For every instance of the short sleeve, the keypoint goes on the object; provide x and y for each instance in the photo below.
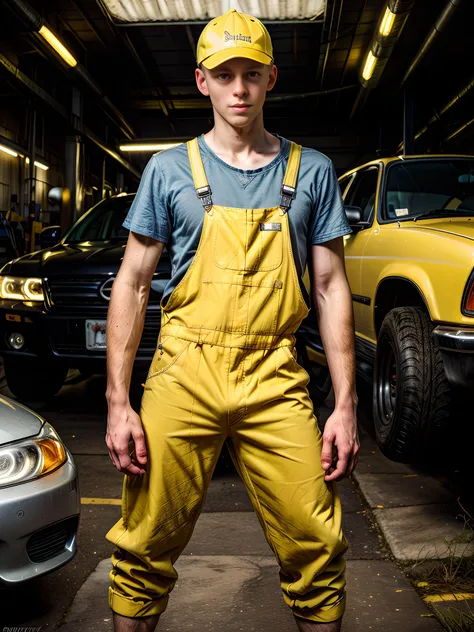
(148, 214)
(329, 217)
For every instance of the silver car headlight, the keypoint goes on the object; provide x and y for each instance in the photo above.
(31, 458)
(21, 288)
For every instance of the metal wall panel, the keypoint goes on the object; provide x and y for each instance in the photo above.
(9, 179)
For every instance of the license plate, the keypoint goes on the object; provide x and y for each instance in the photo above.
(95, 334)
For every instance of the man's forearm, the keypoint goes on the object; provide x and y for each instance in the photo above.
(125, 321)
(336, 326)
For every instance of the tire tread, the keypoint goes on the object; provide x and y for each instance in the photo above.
(422, 411)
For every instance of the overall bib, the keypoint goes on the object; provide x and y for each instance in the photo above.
(225, 369)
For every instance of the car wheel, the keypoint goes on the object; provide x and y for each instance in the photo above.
(411, 403)
(31, 380)
(320, 383)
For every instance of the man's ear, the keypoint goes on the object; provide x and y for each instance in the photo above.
(272, 77)
(201, 82)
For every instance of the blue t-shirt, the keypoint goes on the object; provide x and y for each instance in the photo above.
(167, 208)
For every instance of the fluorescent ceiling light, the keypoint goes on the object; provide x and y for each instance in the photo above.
(8, 151)
(41, 165)
(163, 10)
(58, 46)
(369, 66)
(387, 23)
(37, 164)
(148, 146)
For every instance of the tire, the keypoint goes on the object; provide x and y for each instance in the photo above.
(411, 394)
(32, 380)
(320, 383)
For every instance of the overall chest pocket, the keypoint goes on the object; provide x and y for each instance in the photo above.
(248, 241)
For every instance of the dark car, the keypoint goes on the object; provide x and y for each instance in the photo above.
(53, 304)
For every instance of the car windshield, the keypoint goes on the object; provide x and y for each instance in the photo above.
(102, 222)
(442, 187)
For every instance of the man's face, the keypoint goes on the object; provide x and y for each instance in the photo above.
(237, 88)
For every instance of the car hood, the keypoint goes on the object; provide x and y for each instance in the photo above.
(64, 259)
(16, 421)
(459, 226)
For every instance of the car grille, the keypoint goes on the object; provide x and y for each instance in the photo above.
(51, 541)
(68, 337)
(66, 291)
(83, 292)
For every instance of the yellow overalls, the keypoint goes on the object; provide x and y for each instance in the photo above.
(225, 368)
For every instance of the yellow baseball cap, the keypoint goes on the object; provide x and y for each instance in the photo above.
(232, 35)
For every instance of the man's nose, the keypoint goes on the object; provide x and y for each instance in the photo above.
(240, 89)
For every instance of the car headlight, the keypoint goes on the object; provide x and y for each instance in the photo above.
(31, 458)
(23, 289)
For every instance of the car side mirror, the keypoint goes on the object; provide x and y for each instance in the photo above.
(49, 236)
(353, 214)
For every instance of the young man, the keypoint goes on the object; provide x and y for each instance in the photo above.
(238, 209)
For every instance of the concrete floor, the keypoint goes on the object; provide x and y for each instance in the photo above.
(228, 577)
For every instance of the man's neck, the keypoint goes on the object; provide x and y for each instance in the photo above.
(245, 148)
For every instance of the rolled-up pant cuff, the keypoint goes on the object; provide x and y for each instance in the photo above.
(324, 614)
(133, 608)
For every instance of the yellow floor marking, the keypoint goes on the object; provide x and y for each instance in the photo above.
(101, 501)
(448, 597)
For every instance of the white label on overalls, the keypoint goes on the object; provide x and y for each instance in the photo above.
(272, 226)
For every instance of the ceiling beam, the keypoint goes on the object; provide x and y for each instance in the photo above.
(88, 21)
(127, 25)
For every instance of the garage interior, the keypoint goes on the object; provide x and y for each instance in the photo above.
(90, 89)
(357, 79)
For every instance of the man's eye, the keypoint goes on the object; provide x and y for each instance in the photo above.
(253, 74)
(223, 76)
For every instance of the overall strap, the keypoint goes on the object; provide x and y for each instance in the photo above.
(288, 188)
(203, 190)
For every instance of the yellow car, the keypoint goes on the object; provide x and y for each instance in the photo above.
(410, 262)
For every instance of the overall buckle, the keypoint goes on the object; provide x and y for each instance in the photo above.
(287, 194)
(204, 194)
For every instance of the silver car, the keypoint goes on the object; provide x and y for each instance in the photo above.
(39, 496)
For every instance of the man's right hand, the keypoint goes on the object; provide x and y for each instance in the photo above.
(124, 427)
(125, 321)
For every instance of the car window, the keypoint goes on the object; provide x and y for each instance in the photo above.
(102, 222)
(362, 192)
(426, 186)
(344, 184)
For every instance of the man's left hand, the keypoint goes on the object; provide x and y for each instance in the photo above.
(341, 444)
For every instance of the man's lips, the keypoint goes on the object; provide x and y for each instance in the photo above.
(240, 107)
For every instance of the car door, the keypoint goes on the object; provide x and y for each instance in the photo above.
(362, 192)
(357, 188)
